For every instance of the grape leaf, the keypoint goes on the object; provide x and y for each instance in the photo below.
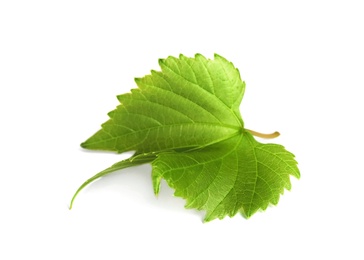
(185, 121)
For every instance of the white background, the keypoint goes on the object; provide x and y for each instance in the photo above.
(63, 62)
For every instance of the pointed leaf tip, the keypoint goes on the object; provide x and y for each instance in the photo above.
(161, 61)
(218, 56)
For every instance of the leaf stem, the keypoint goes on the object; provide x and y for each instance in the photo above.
(267, 136)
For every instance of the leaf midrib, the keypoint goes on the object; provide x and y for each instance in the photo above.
(215, 159)
(238, 129)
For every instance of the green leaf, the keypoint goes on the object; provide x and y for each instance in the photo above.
(175, 108)
(238, 174)
(185, 120)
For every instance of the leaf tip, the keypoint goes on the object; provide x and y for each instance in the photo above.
(200, 57)
(156, 179)
(210, 217)
(205, 220)
(248, 213)
(219, 57)
(245, 215)
(156, 189)
(73, 199)
(182, 57)
(161, 62)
